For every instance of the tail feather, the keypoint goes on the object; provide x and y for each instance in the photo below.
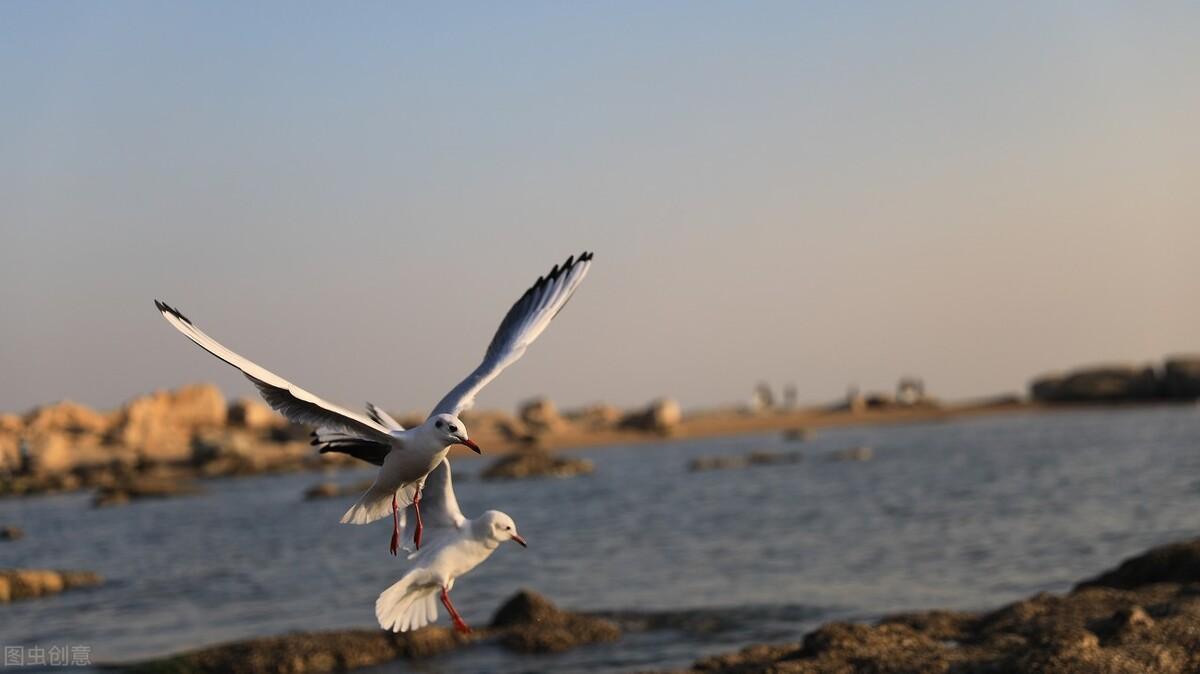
(376, 504)
(408, 604)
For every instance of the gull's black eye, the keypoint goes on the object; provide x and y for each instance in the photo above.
(453, 428)
(438, 423)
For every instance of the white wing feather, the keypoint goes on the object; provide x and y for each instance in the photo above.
(527, 318)
(439, 509)
(290, 400)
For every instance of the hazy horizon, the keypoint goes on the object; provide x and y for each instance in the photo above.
(353, 196)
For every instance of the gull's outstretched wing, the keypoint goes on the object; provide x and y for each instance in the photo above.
(290, 400)
(439, 509)
(523, 323)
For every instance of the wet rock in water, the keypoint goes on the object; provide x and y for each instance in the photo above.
(11, 533)
(662, 416)
(142, 488)
(18, 584)
(798, 434)
(530, 623)
(1141, 617)
(851, 454)
(307, 653)
(703, 463)
(536, 463)
(334, 490)
(757, 458)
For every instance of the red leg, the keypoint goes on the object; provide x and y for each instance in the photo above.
(459, 625)
(420, 526)
(395, 525)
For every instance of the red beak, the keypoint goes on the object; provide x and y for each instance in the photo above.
(471, 443)
(521, 541)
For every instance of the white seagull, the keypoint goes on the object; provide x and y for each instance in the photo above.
(405, 456)
(454, 546)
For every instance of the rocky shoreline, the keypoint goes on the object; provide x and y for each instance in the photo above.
(193, 432)
(1143, 616)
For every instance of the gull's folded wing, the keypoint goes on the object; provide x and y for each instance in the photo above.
(290, 400)
(523, 323)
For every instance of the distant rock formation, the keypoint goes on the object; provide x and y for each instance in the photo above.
(1178, 379)
(662, 416)
(536, 463)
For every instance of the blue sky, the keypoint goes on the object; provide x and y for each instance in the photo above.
(825, 194)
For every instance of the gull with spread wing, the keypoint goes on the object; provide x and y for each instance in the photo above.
(454, 546)
(405, 456)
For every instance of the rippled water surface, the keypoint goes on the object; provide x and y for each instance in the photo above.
(966, 514)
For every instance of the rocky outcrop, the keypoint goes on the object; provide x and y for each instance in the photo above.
(536, 463)
(1177, 379)
(1141, 617)
(160, 426)
(540, 416)
(29, 583)
(1181, 377)
(253, 415)
(662, 416)
(530, 623)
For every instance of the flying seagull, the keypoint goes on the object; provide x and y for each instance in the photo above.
(455, 546)
(405, 456)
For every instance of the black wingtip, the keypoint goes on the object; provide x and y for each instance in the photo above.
(165, 308)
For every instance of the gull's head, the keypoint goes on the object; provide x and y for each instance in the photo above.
(451, 429)
(499, 527)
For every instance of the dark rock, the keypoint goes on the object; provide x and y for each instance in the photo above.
(798, 434)
(1108, 383)
(1142, 617)
(756, 458)
(530, 623)
(1181, 377)
(11, 533)
(663, 416)
(333, 490)
(307, 653)
(536, 463)
(1174, 563)
(142, 488)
